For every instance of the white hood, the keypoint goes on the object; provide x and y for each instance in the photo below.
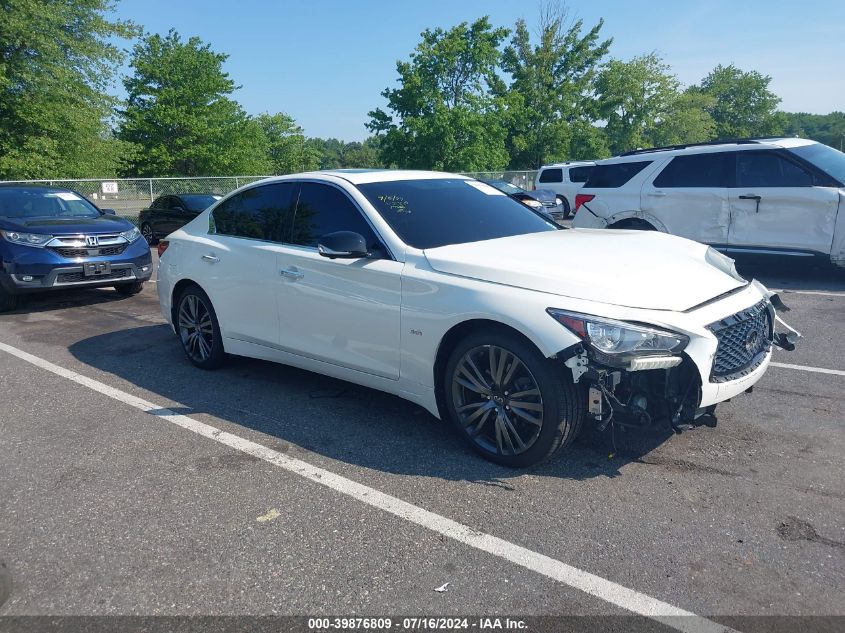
(636, 269)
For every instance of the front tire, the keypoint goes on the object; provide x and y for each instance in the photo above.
(127, 290)
(509, 403)
(567, 210)
(8, 301)
(633, 224)
(198, 329)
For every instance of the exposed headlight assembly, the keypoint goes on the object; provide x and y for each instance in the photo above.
(723, 263)
(620, 344)
(27, 239)
(131, 235)
(534, 204)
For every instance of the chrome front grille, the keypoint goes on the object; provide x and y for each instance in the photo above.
(744, 339)
(549, 204)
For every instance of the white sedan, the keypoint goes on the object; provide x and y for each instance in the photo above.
(444, 291)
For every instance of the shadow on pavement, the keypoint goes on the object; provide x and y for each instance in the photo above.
(793, 273)
(336, 419)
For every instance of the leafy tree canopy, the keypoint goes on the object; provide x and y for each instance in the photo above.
(57, 62)
(444, 114)
(180, 115)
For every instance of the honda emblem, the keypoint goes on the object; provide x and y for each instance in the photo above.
(92, 240)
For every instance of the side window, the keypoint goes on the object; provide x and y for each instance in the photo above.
(324, 209)
(768, 169)
(260, 213)
(158, 203)
(614, 174)
(696, 170)
(580, 174)
(551, 175)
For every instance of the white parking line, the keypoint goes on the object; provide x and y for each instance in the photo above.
(818, 370)
(808, 292)
(597, 586)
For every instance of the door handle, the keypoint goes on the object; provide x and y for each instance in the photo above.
(657, 194)
(211, 258)
(291, 273)
(752, 196)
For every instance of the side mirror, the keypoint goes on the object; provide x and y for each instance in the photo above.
(108, 211)
(180, 209)
(343, 245)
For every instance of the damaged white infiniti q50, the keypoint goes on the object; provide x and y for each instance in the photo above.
(442, 290)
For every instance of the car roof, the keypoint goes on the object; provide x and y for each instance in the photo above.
(709, 147)
(33, 188)
(366, 176)
(570, 163)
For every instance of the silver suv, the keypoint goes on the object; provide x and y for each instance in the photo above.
(565, 179)
(778, 196)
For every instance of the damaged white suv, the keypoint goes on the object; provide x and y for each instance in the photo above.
(771, 197)
(444, 291)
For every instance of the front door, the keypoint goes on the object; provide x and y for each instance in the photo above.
(341, 311)
(777, 208)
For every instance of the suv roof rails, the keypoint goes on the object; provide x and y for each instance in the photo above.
(726, 141)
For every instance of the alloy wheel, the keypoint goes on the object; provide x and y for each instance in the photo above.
(497, 400)
(196, 328)
(147, 232)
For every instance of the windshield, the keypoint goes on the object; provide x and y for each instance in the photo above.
(199, 201)
(28, 203)
(432, 213)
(829, 160)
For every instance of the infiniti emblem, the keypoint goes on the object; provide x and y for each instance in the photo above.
(92, 240)
(751, 340)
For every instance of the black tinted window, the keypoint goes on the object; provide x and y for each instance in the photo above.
(261, 213)
(431, 213)
(614, 175)
(159, 203)
(698, 170)
(768, 169)
(198, 202)
(580, 174)
(324, 209)
(551, 175)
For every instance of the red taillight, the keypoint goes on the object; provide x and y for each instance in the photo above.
(581, 198)
(162, 246)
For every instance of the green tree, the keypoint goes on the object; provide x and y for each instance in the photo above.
(180, 115)
(743, 104)
(824, 128)
(635, 98)
(687, 120)
(444, 115)
(336, 154)
(555, 84)
(57, 62)
(285, 144)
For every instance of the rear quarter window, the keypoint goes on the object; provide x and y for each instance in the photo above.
(551, 175)
(614, 174)
(580, 174)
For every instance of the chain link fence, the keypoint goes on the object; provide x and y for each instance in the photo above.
(128, 196)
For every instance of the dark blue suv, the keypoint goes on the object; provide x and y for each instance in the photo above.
(53, 239)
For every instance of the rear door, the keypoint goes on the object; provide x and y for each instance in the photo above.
(238, 260)
(341, 311)
(776, 206)
(690, 197)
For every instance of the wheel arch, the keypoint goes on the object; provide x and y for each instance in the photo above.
(178, 289)
(451, 338)
(642, 216)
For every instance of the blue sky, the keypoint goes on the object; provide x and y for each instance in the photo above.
(325, 62)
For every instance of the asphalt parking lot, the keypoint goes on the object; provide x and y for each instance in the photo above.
(111, 506)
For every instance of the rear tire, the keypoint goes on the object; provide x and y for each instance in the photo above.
(198, 329)
(129, 289)
(8, 301)
(567, 210)
(633, 224)
(484, 373)
(147, 232)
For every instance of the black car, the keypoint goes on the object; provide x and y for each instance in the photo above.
(544, 201)
(171, 212)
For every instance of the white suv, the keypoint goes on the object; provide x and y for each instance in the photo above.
(778, 196)
(565, 179)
